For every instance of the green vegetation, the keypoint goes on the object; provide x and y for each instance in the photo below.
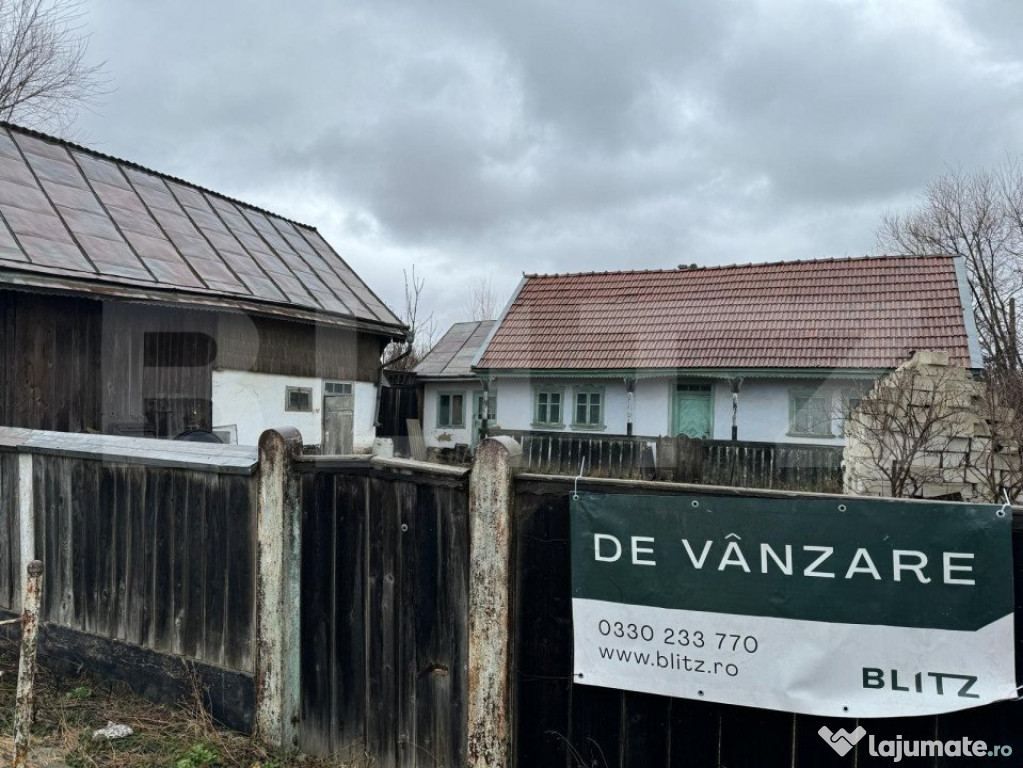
(69, 708)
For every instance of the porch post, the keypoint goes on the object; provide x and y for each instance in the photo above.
(491, 505)
(630, 402)
(736, 386)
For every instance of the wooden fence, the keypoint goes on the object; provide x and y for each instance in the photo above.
(424, 620)
(559, 723)
(384, 611)
(150, 559)
(813, 468)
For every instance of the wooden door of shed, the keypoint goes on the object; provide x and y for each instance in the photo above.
(338, 424)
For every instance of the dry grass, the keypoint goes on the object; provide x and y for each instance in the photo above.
(70, 708)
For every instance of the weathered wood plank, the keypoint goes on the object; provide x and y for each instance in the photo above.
(10, 540)
(194, 568)
(694, 730)
(318, 595)
(350, 634)
(215, 569)
(543, 671)
(241, 575)
(647, 737)
(756, 737)
(381, 614)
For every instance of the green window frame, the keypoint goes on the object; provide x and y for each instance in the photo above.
(588, 408)
(549, 407)
(851, 397)
(451, 410)
(810, 413)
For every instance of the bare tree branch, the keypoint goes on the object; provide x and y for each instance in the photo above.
(932, 424)
(482, 302)
(45, 77)
(978, 216)
(404, 356)
(913, 428)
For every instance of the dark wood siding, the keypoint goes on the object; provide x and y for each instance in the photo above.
(51, 354)
(78, 365)
(268, 345)
(157, 368)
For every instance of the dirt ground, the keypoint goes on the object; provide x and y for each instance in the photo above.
(70, 708)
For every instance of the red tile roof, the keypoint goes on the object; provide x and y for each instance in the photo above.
(839, 313)
(74, 218)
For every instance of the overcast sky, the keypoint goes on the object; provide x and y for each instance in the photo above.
(478, 139)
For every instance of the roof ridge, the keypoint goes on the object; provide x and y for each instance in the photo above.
(139, 167)
(718, 267)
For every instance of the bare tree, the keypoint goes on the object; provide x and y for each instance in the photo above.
(406, 355)
(482, 302)
(45, 76)
(912, 429)
(978, 216)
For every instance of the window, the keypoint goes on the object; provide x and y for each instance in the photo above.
(809, 413)
(588, 410)
(298, 399)
(451, 410)
(851, 397)
(547, 408)
(337, 387)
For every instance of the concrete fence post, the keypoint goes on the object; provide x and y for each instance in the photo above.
(24, 709)
(26, 518)
(278, 593)
(491, 504)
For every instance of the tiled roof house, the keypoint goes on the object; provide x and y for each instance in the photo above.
(662, 352)
(134, 301)
(453, 402)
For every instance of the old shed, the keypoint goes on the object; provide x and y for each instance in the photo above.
(132, 302)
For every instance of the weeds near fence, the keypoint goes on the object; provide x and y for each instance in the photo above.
(69, 708)
(597, 757)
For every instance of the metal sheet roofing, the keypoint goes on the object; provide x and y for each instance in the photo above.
(452, 356)
(841, 313)
(74, 218)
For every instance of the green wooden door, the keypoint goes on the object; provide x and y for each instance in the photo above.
(694, 414)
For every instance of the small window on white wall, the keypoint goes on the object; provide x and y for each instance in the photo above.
(810, 413)
(451, 410)
(337, 387)
(588, 412)
(298, 399)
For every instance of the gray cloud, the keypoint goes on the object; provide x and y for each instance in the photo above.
(483, 139)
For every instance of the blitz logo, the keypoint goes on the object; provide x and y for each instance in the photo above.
(941, 683)
(841, 740)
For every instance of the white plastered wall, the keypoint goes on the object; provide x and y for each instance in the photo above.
(763, 414)
(254, 402)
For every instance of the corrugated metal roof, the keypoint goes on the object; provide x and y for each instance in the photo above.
(452, 356)
(68, 213)
(840, 313)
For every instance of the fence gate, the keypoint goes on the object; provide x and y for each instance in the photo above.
(383, 612)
